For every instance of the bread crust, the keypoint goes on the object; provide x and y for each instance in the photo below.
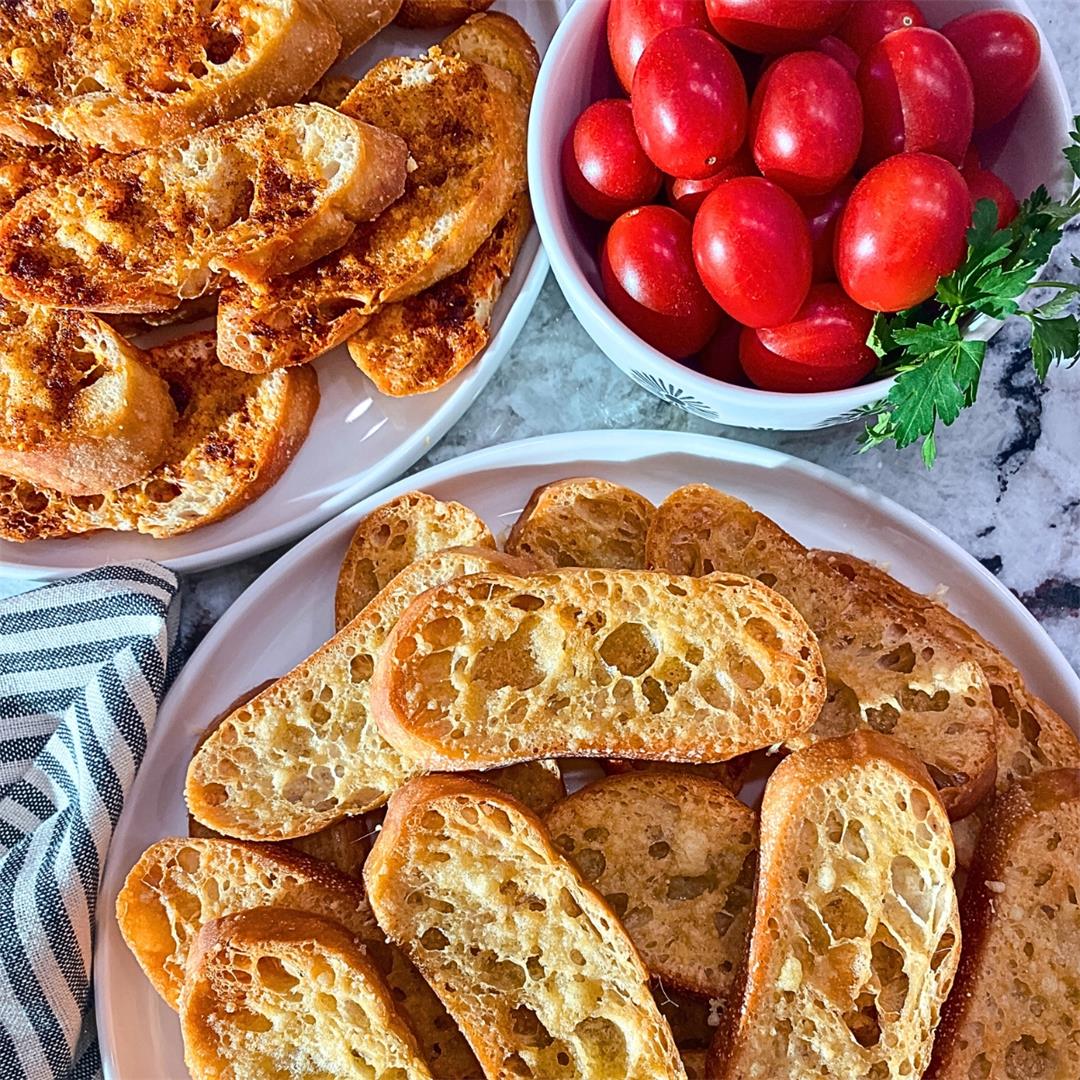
(1008, 1016)
(1030, 736)
(266, 194)
(394, 535)
(804, 1004)
(490, 1014)
(297, 950)
(888, 670)
(426, 14)
(570, 637)
(583, 521)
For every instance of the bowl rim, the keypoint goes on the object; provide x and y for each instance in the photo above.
(589, 307)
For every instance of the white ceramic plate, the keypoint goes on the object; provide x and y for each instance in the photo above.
(360, 439)
(288, 612)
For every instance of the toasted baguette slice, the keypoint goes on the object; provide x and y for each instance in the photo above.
(498, 40)
(81, 410)
(856, 934)
(1012, 1012)
(541, 977)
(888, 671)
(235, 435)
(582, 521)
(274, 992)
(137, 73)
(464, 124)
(1030, 736)
(178, 885)
(23, 168)
(418, 345)
(424, 14)
(394, 535)
(305, 752)
(344, 845)
(265, 194)
(539, 785)
(492, 669)
(674, 856)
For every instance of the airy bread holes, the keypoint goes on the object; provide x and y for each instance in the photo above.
(272, 974)
(509, 663)
(845, 915)
(604, 1042)
(527, 602)
(1026, 1059)
(901, 659)
(526, 1024)
(909, 887)
(630, 648)
(862, 1021)
(761, 630)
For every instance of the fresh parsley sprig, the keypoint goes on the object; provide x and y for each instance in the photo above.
(937, 370)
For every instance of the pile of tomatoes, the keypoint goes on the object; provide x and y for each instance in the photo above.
(817, 164)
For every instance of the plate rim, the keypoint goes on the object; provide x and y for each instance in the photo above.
(565, 448)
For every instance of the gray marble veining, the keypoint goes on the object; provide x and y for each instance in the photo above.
(1006, 487)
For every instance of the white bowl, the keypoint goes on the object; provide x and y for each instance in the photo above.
(576, 71)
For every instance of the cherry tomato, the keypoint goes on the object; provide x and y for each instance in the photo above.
(752, 249)
(841, 52)
(766, 26)
(983, 184)
(822, 348)
(720, 357)
(870, 20)
(916, 95)
(822, 214)
(689, 102)
(632, 24)
(605, 170)
(647, 267)
(972, 159)
(903, 227)
(688, 195)
(1001, 50)
(806, 123)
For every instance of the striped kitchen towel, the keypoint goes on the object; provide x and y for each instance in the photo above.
(83, 666)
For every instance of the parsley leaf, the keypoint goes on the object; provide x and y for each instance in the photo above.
(1052, 339)
(937, 370)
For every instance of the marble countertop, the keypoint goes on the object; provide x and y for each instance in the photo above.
(1006, 486)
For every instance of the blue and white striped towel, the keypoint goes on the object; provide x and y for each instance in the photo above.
(83, 666)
